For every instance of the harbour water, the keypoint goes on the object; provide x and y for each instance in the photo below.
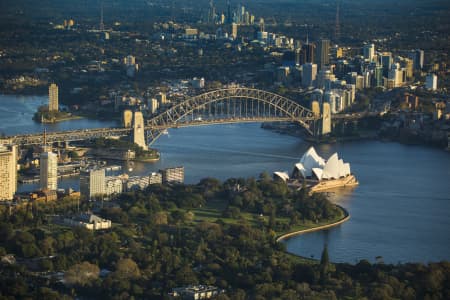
(399, 212)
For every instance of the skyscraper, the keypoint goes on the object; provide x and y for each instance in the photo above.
(418, 59)
(307, 53)
(323, 53)
(309, 74)
(8, 171)
(48, 170)
(234, 30)
(369, 51)
(92, 183)
(53, 97)
(386, 62)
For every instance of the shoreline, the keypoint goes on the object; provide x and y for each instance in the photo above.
(74, 117)
(289, 235)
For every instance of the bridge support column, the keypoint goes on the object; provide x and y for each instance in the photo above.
(326, 119)
(139, 131)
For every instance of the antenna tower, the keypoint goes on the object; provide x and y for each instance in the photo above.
(102, 25)
(337, 29)
(44, 141)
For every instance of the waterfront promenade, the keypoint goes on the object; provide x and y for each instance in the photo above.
(318, 228)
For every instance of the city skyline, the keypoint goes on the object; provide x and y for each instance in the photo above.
(202, 149)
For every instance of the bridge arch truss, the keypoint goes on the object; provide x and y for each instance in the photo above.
(231, 105)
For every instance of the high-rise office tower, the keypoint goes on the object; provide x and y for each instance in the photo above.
(309, 74)
(53, 97)
(8, 171)
(323, 53)
(377, 80)
(48, 170)
(92, 183)
(234, 30)
(418, 59)
(386, 62)
(369, 51)
(307, 53)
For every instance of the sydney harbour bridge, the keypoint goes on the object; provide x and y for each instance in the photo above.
(230, 105)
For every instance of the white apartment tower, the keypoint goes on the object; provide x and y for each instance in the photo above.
(53, 102)
(431, 82)
(92, 183)
(8, 171)
(48, 170)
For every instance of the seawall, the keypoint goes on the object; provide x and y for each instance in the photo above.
(318, 228)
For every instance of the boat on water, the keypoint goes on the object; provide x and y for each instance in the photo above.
(319, 174)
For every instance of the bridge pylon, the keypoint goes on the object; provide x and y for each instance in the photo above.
(139, 130)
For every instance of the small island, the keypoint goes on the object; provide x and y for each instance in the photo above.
(50, 113)
(121, 149)
(44, 115)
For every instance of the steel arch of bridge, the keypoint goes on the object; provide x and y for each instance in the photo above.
(283, 109)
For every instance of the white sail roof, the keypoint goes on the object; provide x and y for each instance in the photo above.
(312, 164)
(282, 175)
(331, 169)
(318, 172)
(309, 161)
(347, 169)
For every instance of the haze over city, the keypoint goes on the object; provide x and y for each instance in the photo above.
(224, 149)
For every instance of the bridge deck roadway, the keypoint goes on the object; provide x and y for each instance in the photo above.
(86, 134)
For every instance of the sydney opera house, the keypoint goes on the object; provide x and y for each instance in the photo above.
(320, 174)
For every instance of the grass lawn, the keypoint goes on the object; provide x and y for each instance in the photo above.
(214, 209)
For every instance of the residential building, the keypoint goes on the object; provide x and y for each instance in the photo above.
(8, 171)
(155, 178)
(92, 183)
(88, 221)
(48, 167)
(136, 183)
(53, 102)
(113, 185)
(173, 175)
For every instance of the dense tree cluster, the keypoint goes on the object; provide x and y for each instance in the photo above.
(160, 241)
